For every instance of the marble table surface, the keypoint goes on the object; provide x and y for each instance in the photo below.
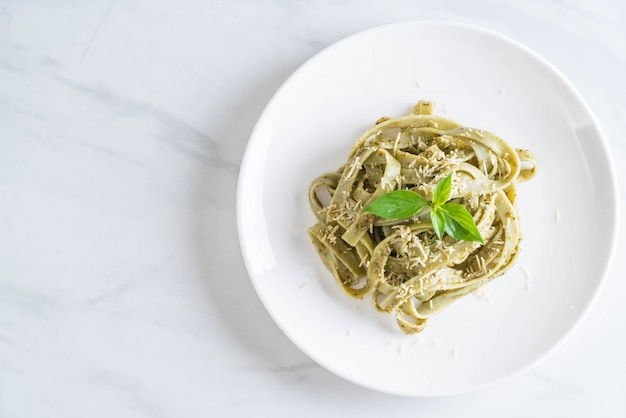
(123, 291)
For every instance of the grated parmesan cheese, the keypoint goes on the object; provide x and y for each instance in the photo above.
(455, 353)
(395, 145)
(483, 293)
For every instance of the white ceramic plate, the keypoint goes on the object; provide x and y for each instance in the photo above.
(480, 79)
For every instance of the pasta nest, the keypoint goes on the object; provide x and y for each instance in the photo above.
(401, 263)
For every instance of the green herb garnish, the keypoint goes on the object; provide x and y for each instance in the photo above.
(451, 218)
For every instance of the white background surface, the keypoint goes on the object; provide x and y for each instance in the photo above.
(122, 288)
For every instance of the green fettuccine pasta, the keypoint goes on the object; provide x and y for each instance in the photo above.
(401, 263)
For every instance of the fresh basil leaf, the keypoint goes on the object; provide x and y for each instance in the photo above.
(450, 218)
(397, 204)
(438, 218)
(442, 191)
(459, 223)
